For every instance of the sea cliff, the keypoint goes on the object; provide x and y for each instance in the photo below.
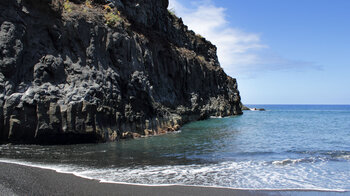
(94, 71)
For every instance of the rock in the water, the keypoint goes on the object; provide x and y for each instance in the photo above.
(257, 109)
(71, 72)
(245, 107)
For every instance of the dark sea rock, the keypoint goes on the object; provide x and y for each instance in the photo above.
(68, 77)
(245, 107)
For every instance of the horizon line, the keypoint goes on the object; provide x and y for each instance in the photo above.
(296, 104)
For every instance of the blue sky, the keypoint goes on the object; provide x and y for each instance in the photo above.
(280, 51)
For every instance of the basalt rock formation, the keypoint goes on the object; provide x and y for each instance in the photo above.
(93, 71)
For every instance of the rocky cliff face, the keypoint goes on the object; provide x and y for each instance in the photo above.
(85, 71)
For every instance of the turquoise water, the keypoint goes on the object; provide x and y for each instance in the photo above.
(285, 147)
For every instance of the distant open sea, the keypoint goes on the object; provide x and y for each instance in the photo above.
(285, 147)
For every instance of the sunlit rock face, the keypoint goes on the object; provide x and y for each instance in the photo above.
(73, 72)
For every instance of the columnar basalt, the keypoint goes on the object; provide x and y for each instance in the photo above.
(89, 71)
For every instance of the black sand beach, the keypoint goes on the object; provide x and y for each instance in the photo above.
(23, 180)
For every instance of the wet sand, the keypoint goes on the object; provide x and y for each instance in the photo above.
(24, 180)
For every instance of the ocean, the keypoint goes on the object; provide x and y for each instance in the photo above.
(286, 147)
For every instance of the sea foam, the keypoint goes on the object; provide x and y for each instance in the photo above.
(247, 175)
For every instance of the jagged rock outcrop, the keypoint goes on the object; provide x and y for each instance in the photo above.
(81, 71)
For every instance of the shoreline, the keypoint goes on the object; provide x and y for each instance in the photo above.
(21, 179)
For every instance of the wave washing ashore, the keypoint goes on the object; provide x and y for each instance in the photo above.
(287, 147)
(24, 180)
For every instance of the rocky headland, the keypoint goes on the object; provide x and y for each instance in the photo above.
(93, 71)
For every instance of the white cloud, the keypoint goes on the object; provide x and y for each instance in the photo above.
(240, 53)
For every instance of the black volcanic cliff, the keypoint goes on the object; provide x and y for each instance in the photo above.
(85, 71)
